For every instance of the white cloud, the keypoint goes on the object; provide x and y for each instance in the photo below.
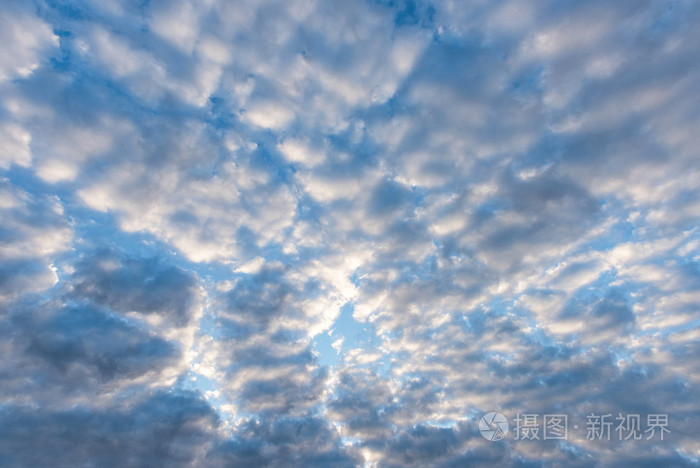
(14, 145)
(27, 41)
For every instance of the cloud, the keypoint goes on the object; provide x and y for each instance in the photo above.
(159, 428)
(84, 344)
(29, 37)
(302, 442)
(142, 286)
(34, 229)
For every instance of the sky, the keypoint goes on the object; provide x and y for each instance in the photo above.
(325, 233)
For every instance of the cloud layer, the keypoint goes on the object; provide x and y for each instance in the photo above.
(266, 233)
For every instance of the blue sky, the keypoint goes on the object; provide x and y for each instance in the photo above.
(337, 233)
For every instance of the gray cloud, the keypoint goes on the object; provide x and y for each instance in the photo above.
(144, 286)
(157, 429)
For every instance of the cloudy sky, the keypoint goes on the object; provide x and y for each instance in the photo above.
(336, 233)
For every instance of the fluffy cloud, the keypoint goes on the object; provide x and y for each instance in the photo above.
(161, 428)
(30, 37)
(34, 229)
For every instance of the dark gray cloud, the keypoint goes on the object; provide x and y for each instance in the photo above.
(281, 442)
(141, 285)
(82, 343)
(162, 428)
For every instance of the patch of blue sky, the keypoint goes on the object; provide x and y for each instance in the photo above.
(345, 334)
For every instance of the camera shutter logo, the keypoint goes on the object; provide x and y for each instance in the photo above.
(493, 426)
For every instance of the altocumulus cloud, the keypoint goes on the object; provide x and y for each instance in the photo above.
(331, 233)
